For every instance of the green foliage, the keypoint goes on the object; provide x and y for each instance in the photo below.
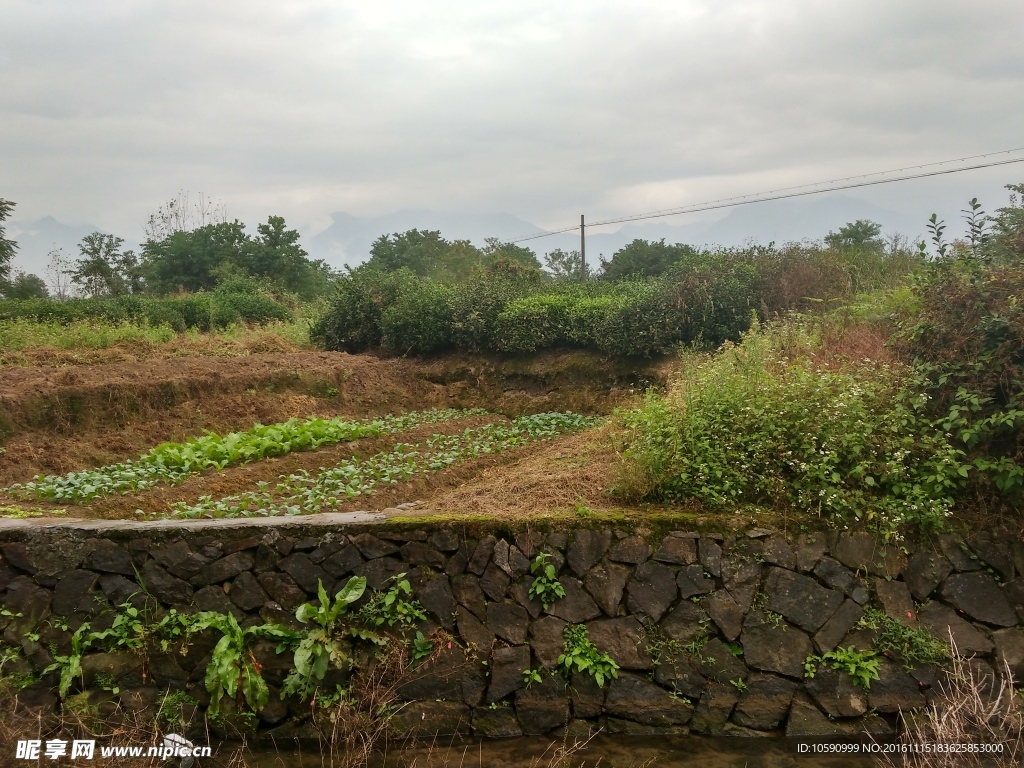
(70, 665)
(233, 670)
(419, 321)
(642, 258)
(565, 266)
(581, 655)
(857, 234)
(910, 646)
(104, 269)
(545, 586)
(751, 425)
(7, 247)
(739, 684)
(24, 285)
(321, 647)
(531, 676)
(393, 607)
(421, 647)
(303, 493)
(862, 666)
(173, 462)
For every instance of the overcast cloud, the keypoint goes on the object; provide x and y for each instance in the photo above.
(538, 109)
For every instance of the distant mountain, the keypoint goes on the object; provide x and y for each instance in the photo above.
(37, 238)
(348, 239)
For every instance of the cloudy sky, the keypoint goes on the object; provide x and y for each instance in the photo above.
(538, 109)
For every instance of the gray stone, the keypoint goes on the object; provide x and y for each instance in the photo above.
(807, 721)
(651, 590)
(995, 552)
(168, 589)
(838, 577)
(443, 540)
(542, 707)
(508, 621)
(283, 589)
(226, 568)
(119, 590)
(267, 559)
(577, 606)
(507, 667)
(978, 595)
(495, 582)
(957, 553)
(344, 561)
(179, 559)
(481, 556)
(1014, 591)
(835, 692)
(605, 583)
(801, 599)
(586, 547)
(718, 663)
(810, 548)
(859, 550)
(17, 554)
(114, 666)
(458, 562)
(498, 723)
(635, 698)
(835, 629)
(741, 576)
(500, 556)
(1010, 652)
(436, 596)
(677, 550)
(725, 612)
(467, 592)
(247, 593)
(942, 622)
(894, 690)
(710, 556)
(586, 696)
(71, 590)
(896, 601)
(372, 547)
(431, 719)
(518, 562)
(764, 702)
(419, 553)
(520, 592)
(379, 572)
(306, 573)
(778, 552)
(623, 639)
(105, 556)
(685, 623)
(925, 571)
(529, 541)
(213, 598)
(546, 639)
(771, 648)
(473, 632)
(558, 539)
(691, 581)
(685, 675)
(714, 708)
(632, 549)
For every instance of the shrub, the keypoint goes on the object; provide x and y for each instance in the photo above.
(161, 313)
(420, 319)
(534, 322)
(352, 321)
(749, 426)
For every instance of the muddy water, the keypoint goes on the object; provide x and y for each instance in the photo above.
(601, 752)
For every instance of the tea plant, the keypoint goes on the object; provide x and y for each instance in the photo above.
(173, 462)
(545, 587)
(302, 492)
(581, 655)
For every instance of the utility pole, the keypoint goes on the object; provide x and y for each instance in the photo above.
(583, 250)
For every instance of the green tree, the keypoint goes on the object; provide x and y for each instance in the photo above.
(425, 253)
(276, 256)
(642, 258)
(25, 286)
(861, 233)
(495, 251)
(1005, 240)
(104, 269)
(193, 260)
(564, 265)
(7, 247)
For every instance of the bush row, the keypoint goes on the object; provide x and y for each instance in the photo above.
(202, 311)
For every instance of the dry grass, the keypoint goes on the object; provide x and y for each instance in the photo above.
(973, 708)
(548, 477)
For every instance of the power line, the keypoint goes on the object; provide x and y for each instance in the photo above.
(865, 180)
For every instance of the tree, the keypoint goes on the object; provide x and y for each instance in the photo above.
(1005, 241)
(104, 269)
(276, 256)
(7, 247)
(182, 214)
(564, 266)
(58, 272)
(495, 250)
(425, 253)
(26, 286)
(642, 258)
(194, 260)
(861, 233)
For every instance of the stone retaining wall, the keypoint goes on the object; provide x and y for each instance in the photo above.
(763, 602)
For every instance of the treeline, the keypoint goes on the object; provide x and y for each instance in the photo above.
(651, 297)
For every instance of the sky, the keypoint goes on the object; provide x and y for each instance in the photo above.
(535, 109)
